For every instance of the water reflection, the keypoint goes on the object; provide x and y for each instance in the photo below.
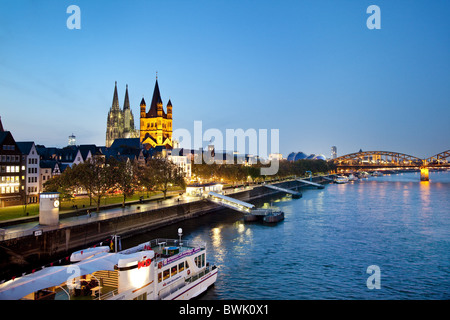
(328, 239)
(425, 195)
(218, 250)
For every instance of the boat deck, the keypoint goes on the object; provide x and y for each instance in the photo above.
(165, 248)
(103, 284)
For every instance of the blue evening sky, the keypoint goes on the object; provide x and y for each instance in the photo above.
(310, 68)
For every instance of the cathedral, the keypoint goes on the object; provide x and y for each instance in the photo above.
(155, 125)
(120, 123)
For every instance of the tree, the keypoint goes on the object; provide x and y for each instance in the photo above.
(147, 178)
(124, 177)
(165, 173)
(63, 183)
(96, 177)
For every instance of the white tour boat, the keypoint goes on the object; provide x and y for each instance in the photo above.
(363, 174)
(341, 179)
(352, 177)
(159, 269)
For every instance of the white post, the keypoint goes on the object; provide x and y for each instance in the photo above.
(180, 233)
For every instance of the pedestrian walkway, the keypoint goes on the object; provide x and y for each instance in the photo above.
(29, 228)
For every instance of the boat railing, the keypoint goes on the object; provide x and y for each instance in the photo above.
(107, 295)
(171, 289)
(160, 243)
(200, 274)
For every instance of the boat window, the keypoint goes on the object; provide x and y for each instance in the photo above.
(200, 261)
(181, 267)
(166, 274)
(141, 297)
(159, 277)
(174, 271)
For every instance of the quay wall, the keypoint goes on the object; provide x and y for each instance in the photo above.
(55, 244)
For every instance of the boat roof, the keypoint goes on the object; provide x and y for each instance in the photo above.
(54, 276)
(97, 260)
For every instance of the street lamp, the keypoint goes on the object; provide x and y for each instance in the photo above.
(180, 233)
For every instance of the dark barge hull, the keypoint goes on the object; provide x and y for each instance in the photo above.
(272, 218)
(279, 216)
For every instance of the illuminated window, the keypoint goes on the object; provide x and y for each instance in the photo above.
(174, 271)
(166, 274)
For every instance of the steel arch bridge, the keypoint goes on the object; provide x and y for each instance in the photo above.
(389, 160)
(439, 158)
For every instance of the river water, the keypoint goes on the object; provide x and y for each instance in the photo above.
(394, 224)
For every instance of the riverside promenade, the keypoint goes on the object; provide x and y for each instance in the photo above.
(28, 226)
(27, 244)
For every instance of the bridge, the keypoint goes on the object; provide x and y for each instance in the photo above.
(294, 194)
(387, 160)
(229, 202)
(250, 212)
(318, 185)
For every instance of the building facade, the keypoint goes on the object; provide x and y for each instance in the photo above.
(156, 124)
(120, 123)
(12, 171)
(183, 163)
(31, 161)
(48, 169)
(333, 152)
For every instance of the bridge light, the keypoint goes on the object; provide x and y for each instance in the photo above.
(424, 174)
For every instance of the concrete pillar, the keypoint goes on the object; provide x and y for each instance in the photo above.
(424, 174)
(49, 208)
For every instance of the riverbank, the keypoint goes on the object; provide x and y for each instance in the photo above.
(22, 253)
(80, 208)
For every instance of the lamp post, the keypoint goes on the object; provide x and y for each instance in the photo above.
(180, 233)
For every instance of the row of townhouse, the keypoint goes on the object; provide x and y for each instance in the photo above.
(25, 166)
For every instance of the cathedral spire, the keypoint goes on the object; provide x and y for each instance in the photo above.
(1, 125)
(126, 103)
(115, 103)
(156, 99)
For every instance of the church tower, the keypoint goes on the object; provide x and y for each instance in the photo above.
(129, 130)
(114, 120)
(120, 123)
(156, 125)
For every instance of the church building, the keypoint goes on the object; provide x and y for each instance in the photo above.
(156, 124)
(120, 123)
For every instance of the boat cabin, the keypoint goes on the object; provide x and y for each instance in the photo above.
(157, 269)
